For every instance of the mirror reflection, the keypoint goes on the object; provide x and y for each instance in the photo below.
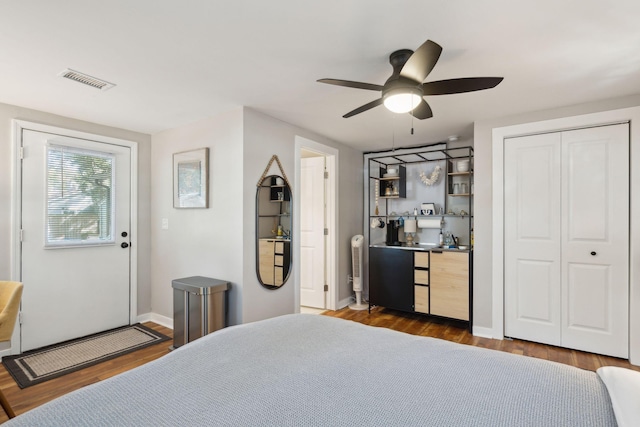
(273, 231)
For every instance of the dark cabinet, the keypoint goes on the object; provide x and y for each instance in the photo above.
(391, 278)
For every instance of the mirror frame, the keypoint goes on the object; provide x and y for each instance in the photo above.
(268, 188)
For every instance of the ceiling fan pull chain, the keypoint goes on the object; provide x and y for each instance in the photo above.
(411, 124)
(393, 133)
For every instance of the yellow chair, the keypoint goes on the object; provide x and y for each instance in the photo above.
(10, 294)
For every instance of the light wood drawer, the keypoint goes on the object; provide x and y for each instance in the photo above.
(279, 276)
(421, 299)
(265, 249)
(421, 259)
(450, 285)
(266, 271)
(452, 264)
(450, 301)
(279, 247)
(421, 277)
(279, 260)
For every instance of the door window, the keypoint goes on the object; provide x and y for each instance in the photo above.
(80, 199)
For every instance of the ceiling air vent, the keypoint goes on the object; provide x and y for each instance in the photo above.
(86, 79)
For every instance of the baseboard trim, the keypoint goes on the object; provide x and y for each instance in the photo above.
(345, 302)
(165, 321)
(482, 332)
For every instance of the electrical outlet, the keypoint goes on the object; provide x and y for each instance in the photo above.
(165, 223)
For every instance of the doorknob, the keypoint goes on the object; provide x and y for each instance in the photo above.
(124, 234)
(124, 245)
(593, 253)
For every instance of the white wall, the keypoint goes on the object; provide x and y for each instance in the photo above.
(482, 295)
(199, 242)
(216, 242)
(9, 112)
(219, 242)
(265, 136)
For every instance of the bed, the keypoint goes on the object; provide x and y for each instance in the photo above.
(309, 370)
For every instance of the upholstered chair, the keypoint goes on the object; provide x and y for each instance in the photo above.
(10, 294)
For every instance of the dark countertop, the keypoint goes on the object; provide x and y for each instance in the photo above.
(426, 247)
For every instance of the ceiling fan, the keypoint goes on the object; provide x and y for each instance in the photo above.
(403, 92)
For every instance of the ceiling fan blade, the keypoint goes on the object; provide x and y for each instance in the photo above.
(468, 84)
(422, 61)
(348, 83)
(422, 111)
(363, 108)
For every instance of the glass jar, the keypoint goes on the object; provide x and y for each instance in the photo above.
(447, 238)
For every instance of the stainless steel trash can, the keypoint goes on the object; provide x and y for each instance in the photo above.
(199, 307)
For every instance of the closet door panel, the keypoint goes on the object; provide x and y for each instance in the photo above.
(595, 242)
(532, 238)
(590, 298)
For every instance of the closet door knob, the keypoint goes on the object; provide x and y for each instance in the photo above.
(593, 253)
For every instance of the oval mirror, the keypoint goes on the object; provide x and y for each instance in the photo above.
(273, 232)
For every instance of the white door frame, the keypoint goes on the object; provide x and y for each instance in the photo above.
(631, 115)
(331, 155)
(18, 126)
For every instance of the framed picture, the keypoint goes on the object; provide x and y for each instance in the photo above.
(191, 179)
(428, 209)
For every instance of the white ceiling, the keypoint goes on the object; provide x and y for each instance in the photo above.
(176, 62)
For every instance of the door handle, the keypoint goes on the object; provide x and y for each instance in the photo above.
(124, 245)
(593, 253)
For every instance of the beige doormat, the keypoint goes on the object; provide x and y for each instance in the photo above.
(36, 366)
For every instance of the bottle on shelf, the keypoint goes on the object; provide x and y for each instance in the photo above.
(441, 238)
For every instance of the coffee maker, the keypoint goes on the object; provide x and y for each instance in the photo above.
(392, 233)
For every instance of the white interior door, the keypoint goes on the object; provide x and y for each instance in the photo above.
(532, 238)
(566, 200)
(595, 242)
(312, 239)
(75, 245)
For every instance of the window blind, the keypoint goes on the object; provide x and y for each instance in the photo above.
(80, 197)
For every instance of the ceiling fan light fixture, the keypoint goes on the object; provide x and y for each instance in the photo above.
(402, 100)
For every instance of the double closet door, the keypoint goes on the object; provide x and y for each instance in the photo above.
(567, 238)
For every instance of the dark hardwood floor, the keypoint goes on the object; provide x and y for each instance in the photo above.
(23, 400)
(421, 325)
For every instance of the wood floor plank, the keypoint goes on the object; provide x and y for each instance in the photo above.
(22, 400)
(452, 331)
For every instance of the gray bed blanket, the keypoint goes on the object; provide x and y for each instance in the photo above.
(308, 370)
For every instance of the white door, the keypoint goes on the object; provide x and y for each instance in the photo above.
(566, 239)
(532, 238)
(312, 220)
(595, 239)
(76, 225)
